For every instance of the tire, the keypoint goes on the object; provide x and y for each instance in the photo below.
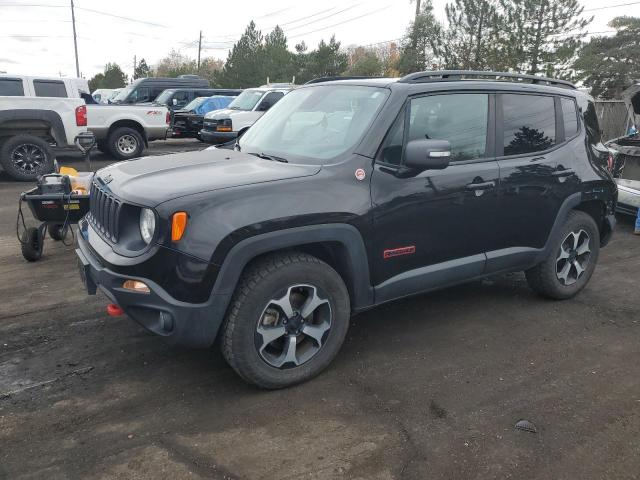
(566, 271)
(125, 143)
(293, 279)
(32, 244)
(26, 157)
(56, 232)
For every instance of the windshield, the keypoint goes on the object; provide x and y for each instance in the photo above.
(315, 124)
(195, 103)
(246, 100)
(163, 98)
(124, 93)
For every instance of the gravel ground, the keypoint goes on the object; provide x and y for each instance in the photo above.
(425, 388)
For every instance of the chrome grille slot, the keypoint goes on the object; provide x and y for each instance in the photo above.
(104, 212)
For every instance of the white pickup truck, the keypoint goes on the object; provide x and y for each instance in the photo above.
(33, 129)
(121, 130)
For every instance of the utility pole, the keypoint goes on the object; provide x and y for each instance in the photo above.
(199, 49)
(134, 66)
(414, 40)
(75, 40)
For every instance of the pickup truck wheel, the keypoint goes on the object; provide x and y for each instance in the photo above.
(572, 261)
(287, 320)
(25, 157)
(125, 143)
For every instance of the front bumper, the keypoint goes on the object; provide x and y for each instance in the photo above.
(217, 137)
(179, 323)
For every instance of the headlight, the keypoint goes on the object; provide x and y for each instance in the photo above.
(147, 224)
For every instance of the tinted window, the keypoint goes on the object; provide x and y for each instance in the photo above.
(11, 87)
(49, 88)
(459, 118)
(570, 117)
(529, 123)
(270, 100)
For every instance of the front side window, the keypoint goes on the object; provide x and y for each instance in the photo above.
(529, 123)
(460, 118)
(49, 88)
(315, 124)
(269, 100)
(11, 87)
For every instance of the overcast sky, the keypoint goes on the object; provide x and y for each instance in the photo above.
(36, 35)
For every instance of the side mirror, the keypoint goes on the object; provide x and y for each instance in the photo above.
(427, 154)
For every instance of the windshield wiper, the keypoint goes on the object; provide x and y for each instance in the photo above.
(270, 157)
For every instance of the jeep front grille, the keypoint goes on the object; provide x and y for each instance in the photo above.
(104, 212)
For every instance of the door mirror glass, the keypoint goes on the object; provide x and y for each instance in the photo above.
(427, 154)
(174, 101)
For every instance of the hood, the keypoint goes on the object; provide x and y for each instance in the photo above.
(150, 181)
(223, 113)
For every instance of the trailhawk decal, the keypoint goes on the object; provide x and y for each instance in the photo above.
(396, 252)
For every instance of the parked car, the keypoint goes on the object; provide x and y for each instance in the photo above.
(37, 122)
(178, 98)
(101, 95)
(625, 156)
(187, 123)
(121, 130)
(346, 195)
(147, 89)
(225, 125)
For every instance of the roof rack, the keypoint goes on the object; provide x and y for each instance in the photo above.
(331, 79)
(453, 75)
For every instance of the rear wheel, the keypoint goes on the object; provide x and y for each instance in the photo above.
(572, 260)
(125, 143)
(287, 320)
(25, 157)
(57, 232)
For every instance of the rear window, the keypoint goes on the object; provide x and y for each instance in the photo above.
(570, 116)
(529, 123)
(11, 87)
(49, 88)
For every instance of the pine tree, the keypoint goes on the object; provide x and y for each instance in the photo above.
(608, 65)
(142, 70)
(278, 60)
(421, 44)
(245, 64)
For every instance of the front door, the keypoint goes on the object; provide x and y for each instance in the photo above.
(432, 228)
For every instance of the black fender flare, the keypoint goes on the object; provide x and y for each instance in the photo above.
(347, 235)
(49, 116)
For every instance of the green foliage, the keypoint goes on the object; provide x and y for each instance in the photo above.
(278, 60)
(245, 66)
(142, 70)
(365, 62)
(422, 42)
(610, 64)
(112, 77)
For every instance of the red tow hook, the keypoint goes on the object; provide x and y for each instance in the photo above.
(114, 310)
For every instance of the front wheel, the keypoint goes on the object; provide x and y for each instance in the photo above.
(572, 260)
(287, 320)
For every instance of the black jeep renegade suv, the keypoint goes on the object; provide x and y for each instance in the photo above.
(345, 195)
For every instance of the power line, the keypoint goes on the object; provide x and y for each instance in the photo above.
(323, 18)
(341, 23)
(610, 6)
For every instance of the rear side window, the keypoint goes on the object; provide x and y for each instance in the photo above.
(591, 124)
(570, 117)
(49, 88)
(529, 123)
(11, 87)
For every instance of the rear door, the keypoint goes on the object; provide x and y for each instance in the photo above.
(535, 172)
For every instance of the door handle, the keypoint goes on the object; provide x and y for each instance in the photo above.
(563, 173)
(481, 185)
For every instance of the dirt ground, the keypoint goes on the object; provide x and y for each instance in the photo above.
(425, 388)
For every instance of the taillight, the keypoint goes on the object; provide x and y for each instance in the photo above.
(168, 118)
(81, 116)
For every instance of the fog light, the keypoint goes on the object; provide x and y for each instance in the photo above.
(136, 286)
